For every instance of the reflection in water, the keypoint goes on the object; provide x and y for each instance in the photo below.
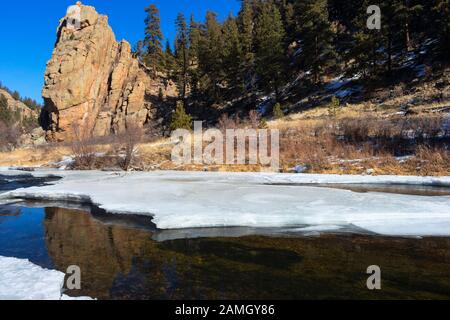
(12, 182)
(120, 260)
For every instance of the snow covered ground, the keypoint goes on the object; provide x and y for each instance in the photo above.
(178, 200)
(22, 280)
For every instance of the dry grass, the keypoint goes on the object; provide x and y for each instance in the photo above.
(356, 145)
(359, 138)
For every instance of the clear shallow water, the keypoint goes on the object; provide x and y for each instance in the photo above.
(120, 259)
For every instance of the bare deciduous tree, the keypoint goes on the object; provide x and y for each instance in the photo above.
(9, 136)
(128, 141)
(255, 119)
(82, 146)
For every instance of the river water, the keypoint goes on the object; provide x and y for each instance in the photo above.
(127, 257)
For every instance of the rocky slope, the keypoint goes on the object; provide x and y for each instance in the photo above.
(18, 107)
(94, 81)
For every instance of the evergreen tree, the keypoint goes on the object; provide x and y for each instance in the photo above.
(194, 52)
(441, 10)
(182, 56)
(333, 106)
(407, 12)
(5, 114)
(231, 52)
(169, 60)
(153, 38)
(317, 35)
(180, 119)
(270, 54)
(365, 45)
(288, 14)
(246, 26)
(211, 57)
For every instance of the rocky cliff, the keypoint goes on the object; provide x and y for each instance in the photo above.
(94, 81)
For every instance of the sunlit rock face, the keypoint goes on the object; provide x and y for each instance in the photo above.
(96, 81)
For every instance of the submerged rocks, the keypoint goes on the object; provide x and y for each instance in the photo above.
(95, 81)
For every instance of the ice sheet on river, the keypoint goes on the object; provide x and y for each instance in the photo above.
(179, 200)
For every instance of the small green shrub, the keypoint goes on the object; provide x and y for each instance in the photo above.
(180, 119)
(277, 112)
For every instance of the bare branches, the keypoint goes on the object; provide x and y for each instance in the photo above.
(128, 141)
(82, 146)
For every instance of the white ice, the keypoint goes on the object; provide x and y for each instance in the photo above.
(22, 280)
(178, 200)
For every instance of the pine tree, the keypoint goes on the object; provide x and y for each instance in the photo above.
(288, 14)
(211, 57)
(194, 53)
(270, 54)
(407, 12)
(246, 26)
(317, 34)
(364, 49)
(169, 60)
(182, 56)
(333, 106)
(390, 25)
(231, 52)
(441, 10)
(180, 119)
(153, 38)
(5, 114)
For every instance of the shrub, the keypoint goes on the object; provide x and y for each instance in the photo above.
(355, 129)
(277, 112)
(333, 107)
(29, 123)
(180, 119)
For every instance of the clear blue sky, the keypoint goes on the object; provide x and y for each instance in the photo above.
(28, 31)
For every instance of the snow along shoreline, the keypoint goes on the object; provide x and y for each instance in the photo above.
(178, 200)
(23, 280)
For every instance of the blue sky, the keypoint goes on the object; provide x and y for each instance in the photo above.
(28, 31)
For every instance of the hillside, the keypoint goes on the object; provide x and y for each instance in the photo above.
(18, 121)
(19, 108)
(346, 99)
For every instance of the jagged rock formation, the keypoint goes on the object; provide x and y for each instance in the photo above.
(94, 81)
